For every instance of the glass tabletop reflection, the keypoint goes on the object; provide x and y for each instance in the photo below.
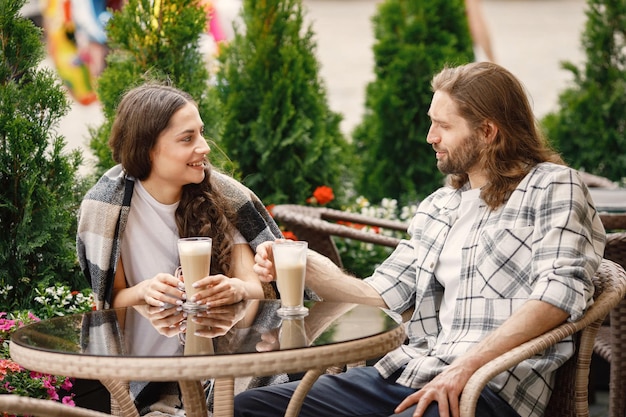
(247, 327)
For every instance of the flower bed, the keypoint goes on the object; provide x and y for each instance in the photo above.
(14, 379)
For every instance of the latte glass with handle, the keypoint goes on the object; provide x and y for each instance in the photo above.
(195, 261)
(290, 265)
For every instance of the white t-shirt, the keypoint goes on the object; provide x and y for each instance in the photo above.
(149, 242)
(448, 268)
(150, 238)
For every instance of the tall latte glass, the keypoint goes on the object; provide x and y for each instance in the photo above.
(195, 260)
(290, 264)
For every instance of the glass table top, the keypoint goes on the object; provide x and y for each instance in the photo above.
(247, 327)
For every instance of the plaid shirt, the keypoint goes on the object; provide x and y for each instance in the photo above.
(545, 243)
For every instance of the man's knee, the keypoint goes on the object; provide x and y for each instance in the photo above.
(262, 402)
(243, 403)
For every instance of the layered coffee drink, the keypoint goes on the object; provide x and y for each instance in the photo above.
(195, 260)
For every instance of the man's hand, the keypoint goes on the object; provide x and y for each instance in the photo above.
(532, 319)
(445, 389)
(264, 262)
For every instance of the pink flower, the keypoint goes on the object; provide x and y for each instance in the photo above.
(52, 393)
(8, 364)
(69, 400)
(48, 383)
(67, 384)
(6, 324)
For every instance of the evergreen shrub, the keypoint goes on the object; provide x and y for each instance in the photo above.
(278, 126)
(589, 128)
(413, 41)
(39, 183)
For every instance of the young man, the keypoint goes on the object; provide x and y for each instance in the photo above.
(501, 255)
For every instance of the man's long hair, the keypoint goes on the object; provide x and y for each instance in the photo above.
(143, 113)
(486, 92)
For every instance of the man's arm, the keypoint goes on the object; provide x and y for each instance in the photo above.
(531, 320)
(332, 284)
(322, 276)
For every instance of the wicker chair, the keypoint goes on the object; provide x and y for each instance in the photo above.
(570, 397)
(596, 181)
(317, 226)
(610, 342)
(18, 405)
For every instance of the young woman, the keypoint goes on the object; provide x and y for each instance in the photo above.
(163, 189)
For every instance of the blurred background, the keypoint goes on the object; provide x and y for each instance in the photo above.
(529, 37)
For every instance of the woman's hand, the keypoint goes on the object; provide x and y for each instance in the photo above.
(264, 262)
(218, 290)
(162, 290)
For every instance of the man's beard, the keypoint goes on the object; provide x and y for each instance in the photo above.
(463, 158)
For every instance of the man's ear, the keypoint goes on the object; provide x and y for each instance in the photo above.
(489, 131)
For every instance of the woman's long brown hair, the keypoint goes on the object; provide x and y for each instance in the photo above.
(143, 113)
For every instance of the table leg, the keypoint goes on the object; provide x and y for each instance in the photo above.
(223, 394)
(193, 398)
(122, 405)
(293, 409)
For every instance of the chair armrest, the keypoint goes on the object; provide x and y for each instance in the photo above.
(610, 284)
(316, 219)
(339, 215)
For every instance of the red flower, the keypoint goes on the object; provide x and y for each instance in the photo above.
(270, 208)
(289, 235)
(322, 195)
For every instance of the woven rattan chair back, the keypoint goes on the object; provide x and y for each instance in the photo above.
(570, 395)
(610, 344)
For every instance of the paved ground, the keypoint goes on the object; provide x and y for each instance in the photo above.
(530, 37)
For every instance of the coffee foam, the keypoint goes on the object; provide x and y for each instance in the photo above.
(194, 248)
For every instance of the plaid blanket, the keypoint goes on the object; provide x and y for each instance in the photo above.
(104, 213)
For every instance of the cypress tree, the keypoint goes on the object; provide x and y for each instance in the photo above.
(278, 126)
(38, 177)
(153, 41)
(589, 129)
(413, 41)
